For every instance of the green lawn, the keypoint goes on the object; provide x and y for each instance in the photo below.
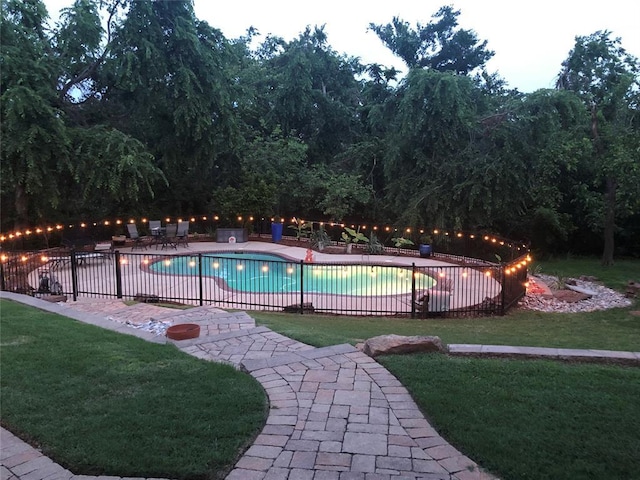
(615, 277)
(102, 403)
(616, 329)
(531, 419)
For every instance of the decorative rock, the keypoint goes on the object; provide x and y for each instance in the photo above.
(603, 299)
(588, 278)
(570, 296)
(396, 344)
(576, 288)
(633, 289)
(54, 298)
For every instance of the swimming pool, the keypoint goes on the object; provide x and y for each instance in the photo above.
(267, 273)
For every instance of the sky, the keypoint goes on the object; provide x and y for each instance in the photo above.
(530, 39)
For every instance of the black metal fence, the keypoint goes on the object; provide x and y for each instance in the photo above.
(237, 281)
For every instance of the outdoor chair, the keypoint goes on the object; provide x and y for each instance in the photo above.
(155, 227)
(138, 240)
(182, 235)
(169, 239)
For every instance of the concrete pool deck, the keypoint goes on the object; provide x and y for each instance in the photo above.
(335, 413)
(469, 286)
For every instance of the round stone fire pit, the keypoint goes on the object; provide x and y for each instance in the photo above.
(183, 331)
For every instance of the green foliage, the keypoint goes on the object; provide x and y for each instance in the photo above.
(426, 239)
(320, 238)
(439, 45)
(114, 163)
(374, 247)
(340, 194)
(353, 236)
(303, 229)
(160, 112)
(401, 242)
(35, 143)
(607, 78)
(78, 391)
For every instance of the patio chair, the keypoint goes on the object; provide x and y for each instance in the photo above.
(138, 240)
(169, 239)
(182, 235)
(155, 227)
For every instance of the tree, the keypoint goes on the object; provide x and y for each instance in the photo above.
(438, 45)
(269, 180)
(56, 141)
(428, 146)
(607, 78)
(35, 144)
(166, 84)
(527, 158)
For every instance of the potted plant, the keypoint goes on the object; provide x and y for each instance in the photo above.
(320, 239)
(375, 247)
(424, 247)
(351, 236)
(276, 228)
(302, 228)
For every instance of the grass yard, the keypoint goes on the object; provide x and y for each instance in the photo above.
(615, 277)
(102, 403)
(535, 419)
(616, 329)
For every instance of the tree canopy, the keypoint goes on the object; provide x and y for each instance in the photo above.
(139, 108)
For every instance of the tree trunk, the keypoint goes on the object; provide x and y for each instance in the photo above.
(22, 208)
(609, 221)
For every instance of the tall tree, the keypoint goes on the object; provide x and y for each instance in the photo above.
(428, 146)
(310, 91)
(35, 144)
(439, 45)
(607, 79)
(167, 86)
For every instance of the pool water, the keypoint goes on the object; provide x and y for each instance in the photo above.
(266, 273)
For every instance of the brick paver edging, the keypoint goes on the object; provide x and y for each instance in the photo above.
(563, 354)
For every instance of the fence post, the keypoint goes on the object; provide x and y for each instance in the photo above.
(118, 274)
(503, 294)
(3, 286)
(301, 287)
(413, 290)
(74, 275)
(200, 278)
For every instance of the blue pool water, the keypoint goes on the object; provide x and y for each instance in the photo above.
(266, 273)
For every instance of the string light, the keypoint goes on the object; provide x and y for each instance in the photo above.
(407, 230)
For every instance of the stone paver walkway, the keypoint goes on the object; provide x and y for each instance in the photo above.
(335, 413)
